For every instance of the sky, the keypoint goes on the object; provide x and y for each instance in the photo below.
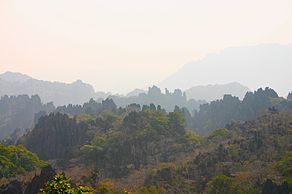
(119, 45)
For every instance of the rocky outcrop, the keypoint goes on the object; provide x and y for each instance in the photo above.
(272, 188)
(38, 182)
(13, 187)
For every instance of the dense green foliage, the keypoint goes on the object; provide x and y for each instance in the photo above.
(246, 154)
(17, 160)
(284, 166)
(221, 184)
(141, 138)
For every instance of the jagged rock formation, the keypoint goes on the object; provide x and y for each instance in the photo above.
(289, 97)
(168, 100)
(91, 107)
(56, 136)
(18, 112)
(15, 187)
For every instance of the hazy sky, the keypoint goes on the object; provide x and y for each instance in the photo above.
(119, 45)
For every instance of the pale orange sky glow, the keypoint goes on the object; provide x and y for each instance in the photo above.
(121, 45)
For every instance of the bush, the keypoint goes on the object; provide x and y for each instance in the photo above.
(63, 185)
(17, 160)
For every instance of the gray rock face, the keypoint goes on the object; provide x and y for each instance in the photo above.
(18, 112)
(13, 187)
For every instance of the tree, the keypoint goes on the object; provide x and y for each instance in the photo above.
(176, 122)
(221, 184)
(17, 160)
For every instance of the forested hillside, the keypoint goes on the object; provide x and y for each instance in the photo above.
(146, 149)
(218, 113)
(236, 159)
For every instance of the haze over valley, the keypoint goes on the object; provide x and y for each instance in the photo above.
(145, 97)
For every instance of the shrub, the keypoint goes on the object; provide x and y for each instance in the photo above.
(63, 185)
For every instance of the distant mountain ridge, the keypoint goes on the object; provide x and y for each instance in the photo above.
(265, 65)
(78, 92)
(136, 92)
(215, 92)
(60, 93)
(14, 77)
(202, 92)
